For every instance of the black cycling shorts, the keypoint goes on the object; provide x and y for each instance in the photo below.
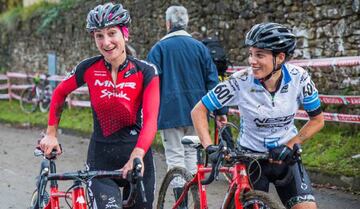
(294, 191)
(113, 156)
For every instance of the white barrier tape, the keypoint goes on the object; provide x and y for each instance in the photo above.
(338, 99)
(346, 118)
(16, 75)
(302, 115)
(3, 77)
(81, 90)
(15, 96)
(4, 86)
(78, 103)
(23, 75)
(322, 62)
(4, 96)
(21, 86)
(326, 62)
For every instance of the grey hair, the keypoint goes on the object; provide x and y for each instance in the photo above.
(177, 16)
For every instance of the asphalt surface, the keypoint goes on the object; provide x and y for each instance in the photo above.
(18, 168)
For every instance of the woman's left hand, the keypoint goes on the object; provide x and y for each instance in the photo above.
(136, 153)
(221, 120)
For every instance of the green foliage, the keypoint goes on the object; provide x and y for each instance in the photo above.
(49, 12)
(37, 8)
(9, 4)
(74, 119)
(9, 18)
(332, 149)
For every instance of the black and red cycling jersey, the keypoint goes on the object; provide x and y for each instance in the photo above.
(123, 111)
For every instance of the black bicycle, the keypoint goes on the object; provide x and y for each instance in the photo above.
(39, 94)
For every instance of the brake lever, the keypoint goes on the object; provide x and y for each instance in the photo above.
(139, 178)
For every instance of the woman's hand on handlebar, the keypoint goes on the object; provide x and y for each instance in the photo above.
(48, 143)
(136, 153)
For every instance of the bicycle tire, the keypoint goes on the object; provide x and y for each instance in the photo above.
(44, 103)
(166, 198)
(262, 199)
(28, 101)
(34, 199)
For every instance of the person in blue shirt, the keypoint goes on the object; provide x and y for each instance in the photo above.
(187, 73)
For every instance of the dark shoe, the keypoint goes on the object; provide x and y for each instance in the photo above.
(177, 194)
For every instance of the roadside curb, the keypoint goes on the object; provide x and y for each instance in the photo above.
(349, 183)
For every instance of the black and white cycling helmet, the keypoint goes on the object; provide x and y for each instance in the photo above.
(271, 36)
(107, 15)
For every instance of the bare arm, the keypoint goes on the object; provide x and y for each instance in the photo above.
(314, 125)
(199, 119)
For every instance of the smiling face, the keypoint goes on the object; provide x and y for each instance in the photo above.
(111, 44)
(261, 61)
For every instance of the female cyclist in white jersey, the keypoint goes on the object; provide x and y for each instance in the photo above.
(268, 95)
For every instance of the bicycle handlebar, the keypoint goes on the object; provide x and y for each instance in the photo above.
(134, 177)
(38, 152)
(84, 175)
(214, 171)
(230, 156)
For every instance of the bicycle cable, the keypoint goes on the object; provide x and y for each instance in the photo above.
(67, 192)
(251, 162)
(91, 197)
(70, 188)
(258, 166)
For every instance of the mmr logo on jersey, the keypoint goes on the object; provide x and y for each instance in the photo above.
(108, 83)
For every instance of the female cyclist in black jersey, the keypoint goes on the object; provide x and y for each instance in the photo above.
(124, 95)
(268, 95)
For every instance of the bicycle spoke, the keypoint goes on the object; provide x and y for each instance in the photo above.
(28, 101)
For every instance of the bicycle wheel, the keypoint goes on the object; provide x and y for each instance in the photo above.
(166, 198)
(34, 200)
(259, 200)
(28, 101)
(44, 103)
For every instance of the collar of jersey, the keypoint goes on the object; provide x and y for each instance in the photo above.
(121, 67)
(286, 76)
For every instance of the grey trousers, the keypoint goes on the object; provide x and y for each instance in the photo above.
(176, 153)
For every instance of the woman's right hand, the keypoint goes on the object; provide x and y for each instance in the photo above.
(48, 143)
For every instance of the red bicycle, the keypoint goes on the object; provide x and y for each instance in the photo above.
(240, 194)
(49, 198)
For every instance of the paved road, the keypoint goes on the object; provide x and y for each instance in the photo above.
(18, 168)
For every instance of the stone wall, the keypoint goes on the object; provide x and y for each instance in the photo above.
(325, 28)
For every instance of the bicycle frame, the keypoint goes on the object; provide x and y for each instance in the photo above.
(240, 183)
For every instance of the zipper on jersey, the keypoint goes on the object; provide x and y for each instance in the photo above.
(273, 99)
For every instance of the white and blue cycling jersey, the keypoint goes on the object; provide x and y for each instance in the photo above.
(266, 120)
